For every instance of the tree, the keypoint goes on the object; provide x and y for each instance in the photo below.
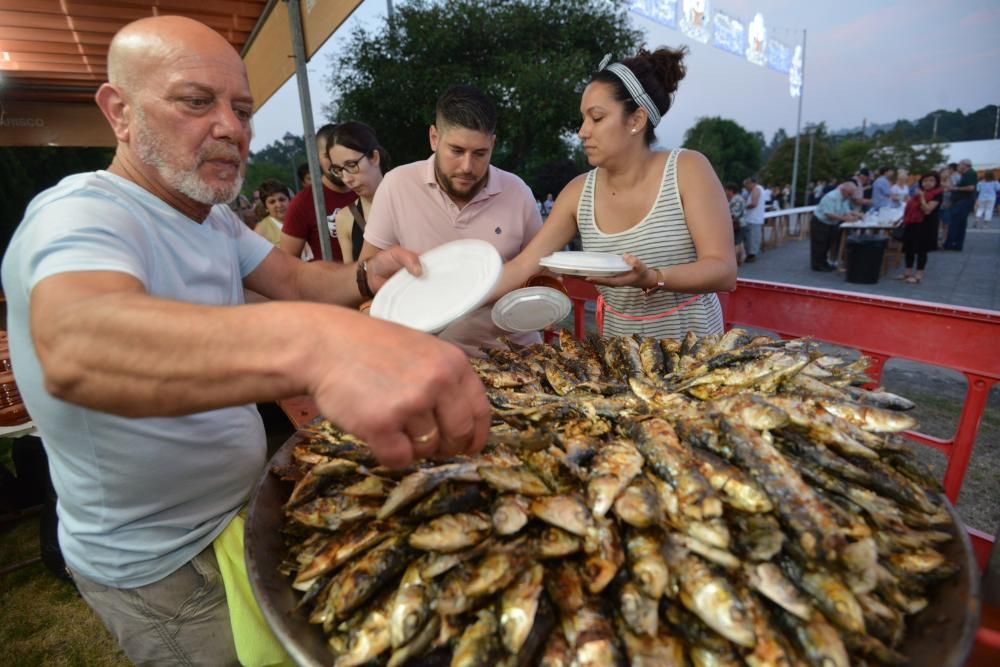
(733, 152)
(778, 170)
(258, 172)
(779, 138)
(531, 56)
(278, 161)
(894, 150)
(853, 154)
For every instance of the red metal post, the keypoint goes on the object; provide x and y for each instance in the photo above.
(965, 437)
(876, 365)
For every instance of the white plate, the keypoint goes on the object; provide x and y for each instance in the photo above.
(585, 263)
(458, 277)
(531, 309)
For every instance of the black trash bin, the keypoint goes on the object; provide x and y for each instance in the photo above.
(864, 258)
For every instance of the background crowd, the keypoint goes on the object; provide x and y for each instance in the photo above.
(936, 207)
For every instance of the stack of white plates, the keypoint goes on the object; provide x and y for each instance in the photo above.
(585, 263)
(457, 278)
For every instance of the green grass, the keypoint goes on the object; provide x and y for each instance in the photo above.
(45, 622)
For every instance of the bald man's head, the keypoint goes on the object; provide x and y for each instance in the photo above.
(144, 45)
(179, 101)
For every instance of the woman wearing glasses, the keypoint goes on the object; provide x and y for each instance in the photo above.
(359, 161)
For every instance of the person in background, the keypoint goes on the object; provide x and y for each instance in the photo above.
(305, 178)
(900, 190)
(243, 209)
(786, 195)
(824, 227)
(769, 198)
(547, 205)
(300, 227)
(737, 207)
(457, 194)
(818, 192)
(753, 219)
(665, 212)
(986, 199)
(882, 188)
(140, 362)
(359, 160)
(963, 196)
(275, 196)
(920, 226)
(863, 181)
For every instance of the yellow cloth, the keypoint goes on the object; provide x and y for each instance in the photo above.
(256, 645)
(270, 229)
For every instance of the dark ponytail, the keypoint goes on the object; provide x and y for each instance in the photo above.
(660, 72)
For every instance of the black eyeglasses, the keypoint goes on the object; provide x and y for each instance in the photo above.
(349, 167)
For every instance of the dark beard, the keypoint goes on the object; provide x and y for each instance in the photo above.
(445, 183)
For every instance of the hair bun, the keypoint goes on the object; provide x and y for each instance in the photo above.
(667, 65)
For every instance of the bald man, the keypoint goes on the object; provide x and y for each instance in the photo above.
(140, 364)
(824, 228)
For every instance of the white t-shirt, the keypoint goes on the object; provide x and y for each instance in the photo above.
(987, 190)
(755, 215)
(900, 194)
(138, 498)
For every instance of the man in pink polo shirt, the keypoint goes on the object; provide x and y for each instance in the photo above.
(457, 194)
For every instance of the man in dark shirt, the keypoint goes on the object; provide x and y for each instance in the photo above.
(862, 180)
(300, 221)
(962, 197)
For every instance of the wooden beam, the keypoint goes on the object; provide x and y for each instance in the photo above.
(11, 68)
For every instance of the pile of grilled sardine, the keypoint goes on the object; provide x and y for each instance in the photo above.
(721, 500)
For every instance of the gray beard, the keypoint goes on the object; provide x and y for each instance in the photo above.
(150, 149)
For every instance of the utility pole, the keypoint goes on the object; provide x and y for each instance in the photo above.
(308, 130)
(934, 133)
(811, 129)
(798, 125)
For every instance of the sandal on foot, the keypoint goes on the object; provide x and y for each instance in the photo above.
(913, 280)
(904, 276)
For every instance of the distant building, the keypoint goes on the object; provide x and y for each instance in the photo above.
(985, 153)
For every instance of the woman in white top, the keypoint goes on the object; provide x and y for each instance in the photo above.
(357, 158)
(664, 210)
(986, 199)
(900, 190)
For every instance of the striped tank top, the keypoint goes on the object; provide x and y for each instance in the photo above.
(661, 239)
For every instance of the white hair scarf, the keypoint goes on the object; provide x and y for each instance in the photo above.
(635, 89)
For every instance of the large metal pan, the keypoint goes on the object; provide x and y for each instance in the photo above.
(940, 636)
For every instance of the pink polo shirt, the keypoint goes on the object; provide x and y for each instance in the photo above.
(411, 210)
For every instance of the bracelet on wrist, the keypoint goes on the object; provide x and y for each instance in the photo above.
(362, 279)
(657, 286)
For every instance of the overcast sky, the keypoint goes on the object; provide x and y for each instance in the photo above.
(865, 59)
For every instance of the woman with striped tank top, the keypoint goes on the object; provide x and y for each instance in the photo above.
(665, 211)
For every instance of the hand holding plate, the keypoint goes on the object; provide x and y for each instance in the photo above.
(640, 276)
(385, 264)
